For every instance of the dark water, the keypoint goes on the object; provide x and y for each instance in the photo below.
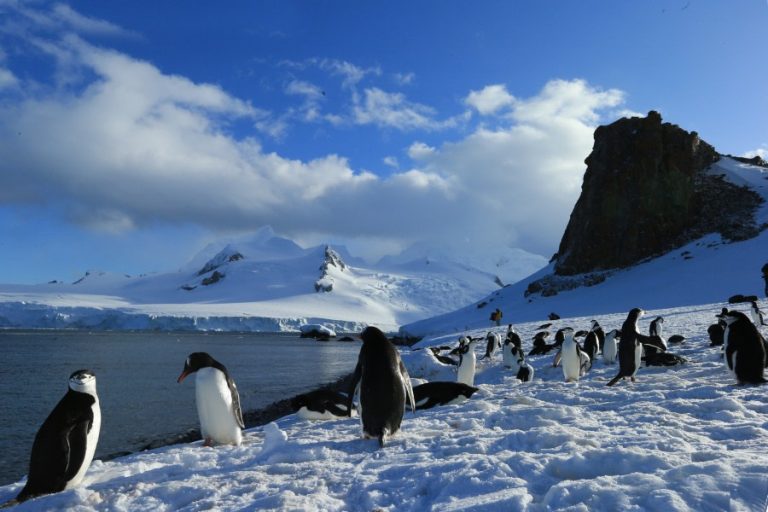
(136, 380)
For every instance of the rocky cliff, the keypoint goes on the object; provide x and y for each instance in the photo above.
(646, 191)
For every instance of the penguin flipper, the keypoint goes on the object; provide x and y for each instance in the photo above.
(407, 385)
(237, 412)
(356, 376)
(76, 444)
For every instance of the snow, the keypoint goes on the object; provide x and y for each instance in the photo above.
(704, 271)
(682, 438)
(268, 284)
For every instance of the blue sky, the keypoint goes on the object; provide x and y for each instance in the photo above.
(133, 133)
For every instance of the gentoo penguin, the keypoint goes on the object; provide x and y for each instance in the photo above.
(321, 404)
(384, 385)
(467, 361)
(610, 347)
(493, 342)
(65, 444)
(218, 402)
(571, 356)
(757, 315)
(441, 393)
(744, 349)
(631, 346)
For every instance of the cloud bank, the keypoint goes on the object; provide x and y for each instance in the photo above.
(131, 146)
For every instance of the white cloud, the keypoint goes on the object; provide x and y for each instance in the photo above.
(393, 110)
(301, 88)
(404, 78)
(7, 79)
(86, 25)
(420, 151)
(762, 152)
(132, 146)
(391, 161)
(490, 99)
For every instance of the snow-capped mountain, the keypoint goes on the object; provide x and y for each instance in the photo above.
(264, 283)
(707, 270)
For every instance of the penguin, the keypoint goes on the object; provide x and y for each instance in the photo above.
(571, 356)
(544, 326)
(384, 385)
(676, 338)
(631, 347)
(757, 315)
(525, 373)
(716, 332)
(321, 404)
(610, 347)
(744, 349)
(441, 393)
(443, 359)
(64, 446)
(540, 345)
(655, 330)
(457, 351)
(591, 345)
(598, 330)
(467, 361)
(512, 343)
(217, 399)
(493, 342)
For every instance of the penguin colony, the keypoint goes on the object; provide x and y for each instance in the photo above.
(65, 444)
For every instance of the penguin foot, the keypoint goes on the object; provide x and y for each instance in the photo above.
(208, 442)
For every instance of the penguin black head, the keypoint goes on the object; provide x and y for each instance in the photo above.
(372, 335)
(722, 314)
(635, 313)
(196, 361)
(735, 316)
(562, 334)
(82, 379)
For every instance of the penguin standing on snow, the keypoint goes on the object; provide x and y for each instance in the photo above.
(610, 347)
(512, 344)
(571, 356)
(384, 385)
(217, 399)
(744, 349)
(493, 342)
(64, 446)
(591, 345)
(467, 362)
(631, 347)
(757, 315)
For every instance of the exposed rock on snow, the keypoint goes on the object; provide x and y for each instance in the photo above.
(647, 191)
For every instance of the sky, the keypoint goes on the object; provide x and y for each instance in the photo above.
(132, 134)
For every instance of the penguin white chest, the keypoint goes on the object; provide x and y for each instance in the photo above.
(214, 407)
(638, 357)
(466, 372)
(510, 361)
(571, 361)
(92, 439)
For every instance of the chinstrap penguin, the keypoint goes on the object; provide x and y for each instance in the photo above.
(631, 347)
(467, 362)
(493, 341)
(217, 399)
(610, 347)
(757, 315)
(384, 385)
(573, 359)
(64, 446)
(744, 349)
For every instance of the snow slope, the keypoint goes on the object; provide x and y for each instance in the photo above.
(705, 271)
(683, 438)
(265, 283)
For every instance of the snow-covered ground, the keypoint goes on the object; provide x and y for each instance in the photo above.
(681, 438)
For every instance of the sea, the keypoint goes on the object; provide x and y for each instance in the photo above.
(136, 374)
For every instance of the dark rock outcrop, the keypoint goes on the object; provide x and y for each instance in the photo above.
(331, 259)
(645, 192)
(214, 278)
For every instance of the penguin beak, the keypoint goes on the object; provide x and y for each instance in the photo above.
(182, 376)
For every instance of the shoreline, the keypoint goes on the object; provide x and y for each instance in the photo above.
(252, 418)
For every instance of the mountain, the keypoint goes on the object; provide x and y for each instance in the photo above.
(260, 283)
(663, 220)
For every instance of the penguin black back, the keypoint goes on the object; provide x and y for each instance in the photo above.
(384, 383)
(745, 350)
(627, 346)
(60, 446)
